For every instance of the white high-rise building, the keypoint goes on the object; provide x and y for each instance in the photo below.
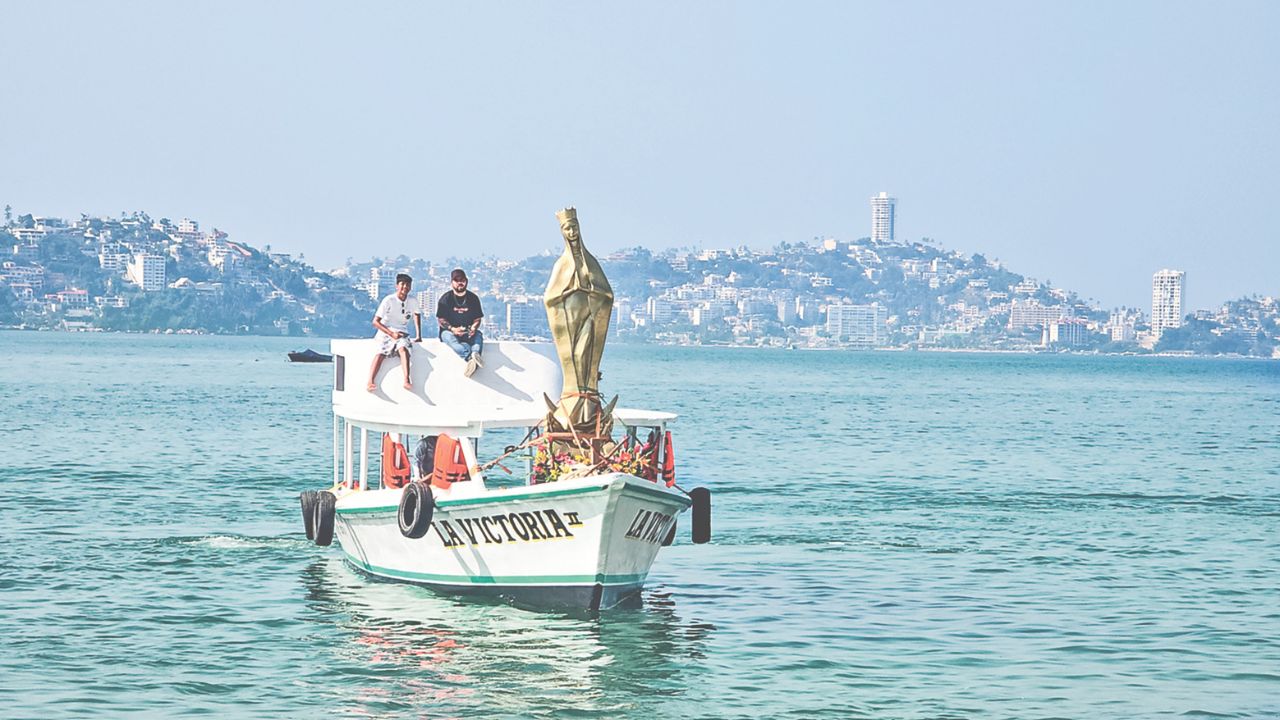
(527, 317)
(787, 312)
(882, 218)
(858, 324)
(660, 311)
(1166, 300)
(146, 270)
(430, 290)
(426, 303)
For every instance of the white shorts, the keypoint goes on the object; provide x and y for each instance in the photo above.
(391, 346)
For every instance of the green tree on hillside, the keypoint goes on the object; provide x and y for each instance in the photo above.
(1198, 336)
(62, 254)
(8, 307)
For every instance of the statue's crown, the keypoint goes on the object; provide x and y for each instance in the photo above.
(567, 214)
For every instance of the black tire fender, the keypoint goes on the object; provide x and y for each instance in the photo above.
(308, 499)
(417, 505)
(323, 518)
(701, 514)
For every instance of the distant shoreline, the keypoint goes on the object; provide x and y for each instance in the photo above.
(960, 351)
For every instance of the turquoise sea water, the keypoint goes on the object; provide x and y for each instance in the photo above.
(896, 536)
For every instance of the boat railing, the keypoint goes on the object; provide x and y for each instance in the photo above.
(358, 450)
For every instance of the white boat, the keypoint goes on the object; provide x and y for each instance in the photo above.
(585, 542)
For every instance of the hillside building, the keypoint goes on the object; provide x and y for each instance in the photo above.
(882, 212)
(527, 317)
(858, 324)
(1122, 325)
(146, 270)
(381, 283)
(1167, 287)
(1066, 332)
(1030, 313)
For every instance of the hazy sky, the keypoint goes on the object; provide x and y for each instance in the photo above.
(1087, 143)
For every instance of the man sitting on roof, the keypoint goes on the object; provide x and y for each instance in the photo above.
(392, 322)
(459, 313)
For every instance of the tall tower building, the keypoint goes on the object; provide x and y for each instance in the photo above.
(882, 218)
(1166, 300)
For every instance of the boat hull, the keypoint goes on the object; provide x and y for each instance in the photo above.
(591, 597)
(586, 543)
(309, 356)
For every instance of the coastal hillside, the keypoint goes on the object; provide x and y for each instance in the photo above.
(139, 274)
(143, 275)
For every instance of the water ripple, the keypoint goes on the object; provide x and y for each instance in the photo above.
(956, 537)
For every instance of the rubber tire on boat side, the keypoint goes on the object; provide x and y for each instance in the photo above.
(323, 518)
(308, 498)
(416, 508)
(701, 514)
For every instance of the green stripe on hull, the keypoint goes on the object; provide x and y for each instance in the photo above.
(384, 510)
(599, 578)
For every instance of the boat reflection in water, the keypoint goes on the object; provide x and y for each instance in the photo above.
(403, 649)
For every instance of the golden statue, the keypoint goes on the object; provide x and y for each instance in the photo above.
(579, 302)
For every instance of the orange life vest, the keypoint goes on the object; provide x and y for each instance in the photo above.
(668, 460)
(395, 463)
(450, 465)
(650, 451)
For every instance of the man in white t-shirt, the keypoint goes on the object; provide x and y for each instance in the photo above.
(392, 322)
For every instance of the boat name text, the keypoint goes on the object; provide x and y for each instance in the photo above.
(649, 526)
(507, 527)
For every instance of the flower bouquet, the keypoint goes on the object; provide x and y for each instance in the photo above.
(551, 466)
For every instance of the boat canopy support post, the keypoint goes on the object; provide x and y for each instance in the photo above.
(473, 465)
(348, 465)
(364, 458)
(337, 449)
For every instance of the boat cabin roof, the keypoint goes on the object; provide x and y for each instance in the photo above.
(507, 392)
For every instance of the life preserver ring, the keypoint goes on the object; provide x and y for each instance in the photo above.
(668, 460)
(450, 463)
(396, 470)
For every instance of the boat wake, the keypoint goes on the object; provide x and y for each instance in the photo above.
(239, 542)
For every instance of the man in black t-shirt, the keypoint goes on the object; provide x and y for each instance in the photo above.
(459, 313)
